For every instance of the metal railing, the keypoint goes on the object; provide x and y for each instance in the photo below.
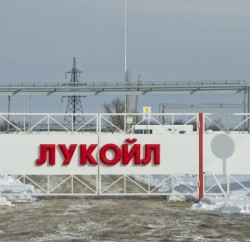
(27, 123)
(224, 185)
(227, 122)
(105, 185)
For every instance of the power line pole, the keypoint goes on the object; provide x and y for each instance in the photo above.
(74, 105)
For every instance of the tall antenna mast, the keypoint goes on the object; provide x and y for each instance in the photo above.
(74, 102)
(127, 74)
(125, 36)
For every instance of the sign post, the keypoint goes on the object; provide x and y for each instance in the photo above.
(146, 112)
(201, 178)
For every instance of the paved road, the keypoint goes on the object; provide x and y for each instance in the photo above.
(118, 219)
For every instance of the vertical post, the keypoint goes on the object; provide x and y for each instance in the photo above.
(99, 188)
(228, 185)
(30, 112)
(149, 183)
(248, 108)
(48, 116)
(8, 124)
(125, 58)
(24, 123)
(125, 36)
(125, 188)
(127, 104)
(172, 184)
(97, 123)
(48, 184)
(99, 176)
(100, 123)
(201, 178)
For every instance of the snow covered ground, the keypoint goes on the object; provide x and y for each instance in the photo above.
(237, 202)
(11, 186)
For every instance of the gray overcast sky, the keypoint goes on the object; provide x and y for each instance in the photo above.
(167, 40)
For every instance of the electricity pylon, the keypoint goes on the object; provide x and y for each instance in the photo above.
(74, 104)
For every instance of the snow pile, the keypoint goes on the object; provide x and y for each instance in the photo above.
(238, 202)
(3, 201)
(179, 189)
(14, 190)
(181, 186)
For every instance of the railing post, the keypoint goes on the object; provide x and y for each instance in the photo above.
(201, 178)
(48, 185)
(228, 185)
(97, 124)
(248, 108)
(99, 188)
(48, 128)
(100, 123)
(24, 123)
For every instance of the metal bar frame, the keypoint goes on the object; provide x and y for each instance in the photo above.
(219, 182)
(150, 189)
(27, 180)
(118, 88)
(153, 189)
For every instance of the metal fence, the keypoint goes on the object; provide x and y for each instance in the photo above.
(93, 123)
(106, 185)
(225, 185)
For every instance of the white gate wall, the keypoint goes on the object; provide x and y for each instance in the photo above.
(227, 153)
(179, 154)
(19, 153)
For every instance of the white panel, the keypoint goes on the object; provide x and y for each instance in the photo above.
(179, 154)
(228, 153)
(20, 151)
